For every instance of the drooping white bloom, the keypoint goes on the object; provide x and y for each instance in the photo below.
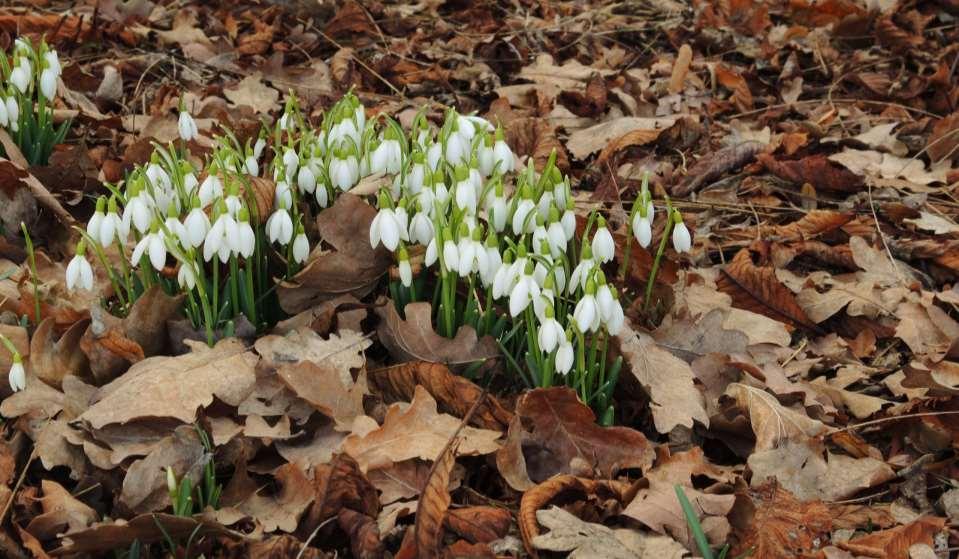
(503, 159)
(139, 211)
(301, 248)
(159, 178)
(96, 220)
(177, 230)
(151, 244)
(433, 155)
(498, 211)
(187, 127)
(431, 253)
(385, 228)
(466, 196)
(451, 254)
(493, 263)
(387, 157)
(586, 313)
(564, 357)
(186, 276)
(252, 166)
(222, 238)
(457, 150)
(582, 271)
(604, 249)
(210, 189)
(197, 225)
(279, 227)
(4, 118)
(17, 375)
(20, 78)
(48, 83)
(522, 294)
(79, 273)
(344, 172)
(53, 61)
(291, 162)
(521, 222)
(283, 196)
(605, 302)
(682, 241)
(616, 319)
(306, 180)
(13, 113)
(421, 229)
(246, 241)
(642, 230)
(550, 332)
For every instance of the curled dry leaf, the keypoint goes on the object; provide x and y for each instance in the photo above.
(944, 140)
(585, 540)
(147, 528)
(779, 524)
(145, 485)
(479, 524)
(279, 509)
(817, 170)
(735, 82)
(895, 543)
(353, 266)
(454, 394)
(62, 512)
(434, 501)
(714, 166)
(53, 359)
(757, 289)
(619, 133)
(561, 432)
(414, 339)
(176, 387)
(363, 532)
(674, 398)
(536, 138)
(113, 344)
(416, 431)
(336, 486)
(772, 423)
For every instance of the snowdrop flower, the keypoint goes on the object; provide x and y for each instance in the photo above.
(406, 271)
(186, 276)
(284, 122)
(493, 261)
(13, 113)
(176, 229)
(582, 271)
(457, 149)
(465, 191)
(158, 177)
(503, 277)
(433, 155)
(246, 241)
(484, 156)
(523, 293)
(252, 166)
(416, 178)
(4, 119)
(152, 245)
(604, 298)
(431, 253)
(290, 162)
(222, 237)
(279, 227)
(586, 313)
(301, 246)
(139, 212)
(53, 61)
(187, 127)
(451, 253)
(17, 375)
(48, 83)
(503, 159)
(196, 225)
(603, 246)
(283, 196)
(96, 220)
(388, 156)
(472, 254)
(642, 230)
(306, 180)
(564, 356)
(550, 331)
(210, 189)
(614, 323)
(555, 234)
(521, 222)
(20, 78)
(402, 219)
(112, 226)
(79, 272)
(421, 229)
(344, 171)
(682, 241)
(385, 227)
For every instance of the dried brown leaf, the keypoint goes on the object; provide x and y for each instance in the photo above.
(735, 82)
(894, 543)
(944, 141)
(433, 504)
(713, 166)
(757, 289)
(52, 359)
(780, 525)
(479, 524)
(363, 532)
(772, 423)
(414, 339)
(62, 512)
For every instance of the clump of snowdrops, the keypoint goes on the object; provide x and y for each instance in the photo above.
(30, 74)
(499, 249)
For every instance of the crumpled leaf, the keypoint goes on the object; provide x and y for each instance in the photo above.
(895, 543)
(176, 387)
(252, 92)
(434, 501)
(772, 423)
(147, 528)
(585, 540)
(416, 431)
(145, 485)
(814, 169)
(801, 469)
(757, 289)
(455, 394)
(276, 509)
(674, 398)
(780, 524)
(353, 266)
(554, 433)
(414, 339)
(588, 141)
(52, 358)
(713, 166)
(62, 512)
(481, 524)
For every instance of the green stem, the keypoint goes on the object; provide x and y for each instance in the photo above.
(659, 256)
(32, 259)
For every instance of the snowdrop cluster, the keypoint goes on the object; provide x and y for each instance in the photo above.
(30, 77)
(483, 222)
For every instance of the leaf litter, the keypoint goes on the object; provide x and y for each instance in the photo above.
(795, 374)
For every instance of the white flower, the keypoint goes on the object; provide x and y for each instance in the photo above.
(457, 150)
(520, 222)
(96, 221)
(493, 264)
(466, 196)
(387, 157)
(642, 230)
(196, 225)
(306, 180)
(177, 229)
(153, 245)
(451, 255)
(53, 61)
(252, 166)
(433, 155)
(431, 253)
(139, 212)
(17, 376)
(385, 228)
(498, 212)
(4, 119)
(472, 257)
(484, 157)
(616, 319)
(48, 83)
(290, 162)
(279, 227)
(282, 196)
(605, 302)
(79, 273)
(343, 172)
(556, 238)
(20, 77)
(503, 280)
(682, 242)
(186, 277)
(406, 271)
(569, 223)
(233, 204)
(503, 157)
(416, 178)
(158, 177)
(13, 113)
(421, 229)
(522, 294)
(550, 333)
(603, 246)
(564, 357)
(586, 313)
(301, 248)
(210, 189)
(322, 196)
(581, 273)
(113, 227)
(187, 127)
(221, 239)
(246, 241)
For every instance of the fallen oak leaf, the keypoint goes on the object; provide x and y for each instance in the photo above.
(455, 394)
(757, 289)
(431, 511)
(414, 339)
(772, 423)
(481, 524)
(62, 512)
(816, 170)
(363, 532)
(278, 510)
(713, 166)
(895, 543)
(777, 524)
(145, 528)
(337, 486)
(145, 484)
(587, 539)
(52, 359)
